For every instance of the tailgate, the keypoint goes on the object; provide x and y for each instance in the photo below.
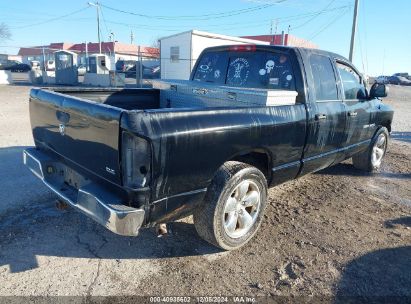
(84, 132)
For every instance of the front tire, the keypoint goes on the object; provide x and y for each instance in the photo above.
(370, 160)
(233, 208)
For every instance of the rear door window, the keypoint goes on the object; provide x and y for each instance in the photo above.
(324, 78)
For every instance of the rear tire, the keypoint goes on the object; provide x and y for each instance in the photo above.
(370, 160)
(233, 208)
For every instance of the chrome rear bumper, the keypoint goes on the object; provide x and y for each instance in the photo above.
(102, 206)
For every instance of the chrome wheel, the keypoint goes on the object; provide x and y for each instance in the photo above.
(378, 150)
(241, 209)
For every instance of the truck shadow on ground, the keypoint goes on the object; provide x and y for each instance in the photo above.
(349, 170)
(382, 276)
(402, 221)
(44, 230)
(401, 136)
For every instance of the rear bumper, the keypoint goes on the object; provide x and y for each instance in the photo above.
(102, 206)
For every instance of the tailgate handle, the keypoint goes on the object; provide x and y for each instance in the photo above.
(232, 95)
(320, 116)
(352, 114)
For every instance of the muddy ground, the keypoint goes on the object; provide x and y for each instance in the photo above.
(336, 232)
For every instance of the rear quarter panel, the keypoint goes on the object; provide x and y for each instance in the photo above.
(190, 145)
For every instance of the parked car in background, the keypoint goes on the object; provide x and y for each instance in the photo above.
(7, 64)
(399, 80)
(405, 75)
(123, 66)
(15, 66)
(151, 70)
(19, 67)
(82, 70)
(382, 79)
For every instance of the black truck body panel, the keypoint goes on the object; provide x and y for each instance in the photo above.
(189, 145)
(91, 134)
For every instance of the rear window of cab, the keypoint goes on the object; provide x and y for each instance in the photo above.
(258, 69)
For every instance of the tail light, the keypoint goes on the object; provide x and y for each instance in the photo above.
(243, 48)
(136, 161)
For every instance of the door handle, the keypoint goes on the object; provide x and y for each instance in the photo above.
(352, 113)
(320, 116)
(199, 91)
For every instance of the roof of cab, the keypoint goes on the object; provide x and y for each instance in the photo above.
(307, 51)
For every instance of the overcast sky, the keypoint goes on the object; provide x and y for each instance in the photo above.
(383, 41)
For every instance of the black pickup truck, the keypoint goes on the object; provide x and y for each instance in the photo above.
(128, 162)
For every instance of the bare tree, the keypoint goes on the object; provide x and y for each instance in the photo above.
(4, 32)
(155, 43)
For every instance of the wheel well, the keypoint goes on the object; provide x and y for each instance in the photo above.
(387, 125)
(258, 159)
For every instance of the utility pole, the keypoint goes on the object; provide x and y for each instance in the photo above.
(131, 37)
(275, 31)
(97, 5)
(44, 59)
(87, 57)
(354, 29)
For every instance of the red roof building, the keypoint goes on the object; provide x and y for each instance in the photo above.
(285, 39)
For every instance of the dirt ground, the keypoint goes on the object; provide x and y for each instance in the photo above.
(338, 232)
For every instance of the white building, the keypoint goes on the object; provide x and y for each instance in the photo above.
(179, 52)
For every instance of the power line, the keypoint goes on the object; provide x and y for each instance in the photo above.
(336, 18)
(315, 16)
(52, 19)
(176, 28)
(197, 17)
(105, 23)
(172, 28)
(326, 26)
(286, 20)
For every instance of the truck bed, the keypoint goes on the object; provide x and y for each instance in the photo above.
(94, 119)
(127, 99)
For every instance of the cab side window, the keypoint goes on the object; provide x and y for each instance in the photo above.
(324, 78)
(351, 81)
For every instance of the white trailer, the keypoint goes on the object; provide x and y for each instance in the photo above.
(179, 52)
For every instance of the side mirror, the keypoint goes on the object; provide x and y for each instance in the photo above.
(362, 94)
(378, 90)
